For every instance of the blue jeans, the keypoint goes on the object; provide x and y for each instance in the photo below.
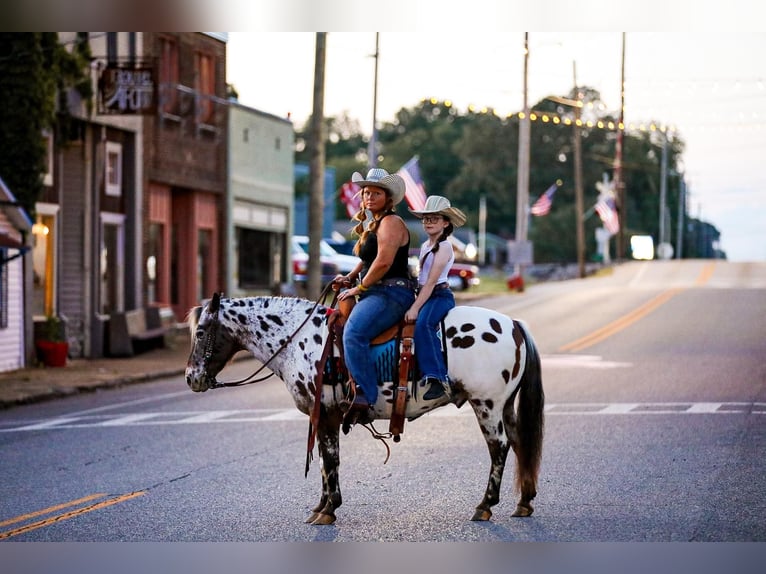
(428, 348)
(377, 309)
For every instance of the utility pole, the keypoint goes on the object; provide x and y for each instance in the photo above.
(681, 210)
(316, 171)
(619, 185)
(663, 195)
(522, 181)
(580, 222)
(372, 149)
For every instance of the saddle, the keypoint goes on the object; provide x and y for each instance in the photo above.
(402, 332)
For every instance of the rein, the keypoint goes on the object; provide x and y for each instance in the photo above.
(210, 342)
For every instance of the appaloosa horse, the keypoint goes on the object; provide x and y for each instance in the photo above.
(492, 360)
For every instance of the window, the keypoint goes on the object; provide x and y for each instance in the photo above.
(204, 85)
(113, 168)
(204, 240)
(3, 289)
(259, 258)
(48, 143)
(168, 76)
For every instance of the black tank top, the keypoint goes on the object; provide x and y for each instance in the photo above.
(369, 250)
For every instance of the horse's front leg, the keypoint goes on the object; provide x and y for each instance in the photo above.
(498, 453)
(328, 442)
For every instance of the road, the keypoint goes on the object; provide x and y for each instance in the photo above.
(655, 432)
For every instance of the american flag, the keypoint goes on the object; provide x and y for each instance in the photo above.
(607, 211)
(415, 192)
(543, 204)
(349, 195)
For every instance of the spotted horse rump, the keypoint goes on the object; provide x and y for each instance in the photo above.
(492, 360)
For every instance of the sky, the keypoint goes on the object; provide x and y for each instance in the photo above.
(709, 88)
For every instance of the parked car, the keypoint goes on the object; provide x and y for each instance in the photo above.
(301, 264)
(345, 263)
(461, 276)
(342, 246)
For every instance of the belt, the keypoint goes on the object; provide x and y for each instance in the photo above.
(438, 286)
(395, 282)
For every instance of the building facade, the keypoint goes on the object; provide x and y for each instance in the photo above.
(260, 202)
(185, 171)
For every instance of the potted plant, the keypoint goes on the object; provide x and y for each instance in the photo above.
(52, 347)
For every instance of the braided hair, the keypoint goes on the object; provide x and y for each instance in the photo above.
(361, 216)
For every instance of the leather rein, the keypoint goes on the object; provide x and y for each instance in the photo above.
(212, 332)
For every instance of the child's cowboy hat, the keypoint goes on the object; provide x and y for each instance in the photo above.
(438, 205)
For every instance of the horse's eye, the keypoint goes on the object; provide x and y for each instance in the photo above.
(199, 335)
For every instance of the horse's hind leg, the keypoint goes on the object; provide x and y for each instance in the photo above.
(328, 434)
(493, 427)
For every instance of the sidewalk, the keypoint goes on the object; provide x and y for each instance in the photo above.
(35, 384)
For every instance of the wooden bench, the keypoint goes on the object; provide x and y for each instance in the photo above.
(136, 331)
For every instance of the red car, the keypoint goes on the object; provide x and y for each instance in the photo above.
(461, 276)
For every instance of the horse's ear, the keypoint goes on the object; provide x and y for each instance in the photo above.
(215, 303)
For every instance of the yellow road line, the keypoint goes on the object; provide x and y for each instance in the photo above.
(67, 515)
(51, 509)
(623, 322)
(705, 274)
(618, 325)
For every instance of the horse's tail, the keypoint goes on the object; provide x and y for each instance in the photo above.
(530, 421)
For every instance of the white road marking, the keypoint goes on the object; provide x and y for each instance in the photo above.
(580, 362)
(292, 415)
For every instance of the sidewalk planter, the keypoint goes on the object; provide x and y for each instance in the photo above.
(50, 342)
(52, 353)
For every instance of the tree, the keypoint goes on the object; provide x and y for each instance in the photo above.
(36, 68)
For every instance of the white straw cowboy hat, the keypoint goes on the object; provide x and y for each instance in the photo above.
(438, 205)
(379, 177)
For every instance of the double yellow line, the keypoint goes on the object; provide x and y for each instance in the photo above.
(64, 516)
(626, 320)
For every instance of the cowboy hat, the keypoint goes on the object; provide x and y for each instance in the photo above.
(378, 177)
(438, 205)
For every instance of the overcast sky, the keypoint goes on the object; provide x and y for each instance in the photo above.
(708, 87)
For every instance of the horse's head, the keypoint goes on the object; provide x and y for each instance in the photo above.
(212, 345)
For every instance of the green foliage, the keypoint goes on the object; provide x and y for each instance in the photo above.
(36, 71)
(466, 156)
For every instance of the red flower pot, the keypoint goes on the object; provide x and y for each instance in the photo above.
(52, 353)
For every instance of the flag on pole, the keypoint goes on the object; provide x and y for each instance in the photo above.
(607, 211)
(349, 195)
(415, 191)
(543, 204)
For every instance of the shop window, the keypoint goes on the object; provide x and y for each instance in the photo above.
(257, 267)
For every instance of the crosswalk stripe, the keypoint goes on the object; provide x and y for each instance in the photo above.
(288, 415)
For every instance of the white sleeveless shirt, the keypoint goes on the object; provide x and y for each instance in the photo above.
(426, 266)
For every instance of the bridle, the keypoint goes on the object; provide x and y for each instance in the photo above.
(211, 334)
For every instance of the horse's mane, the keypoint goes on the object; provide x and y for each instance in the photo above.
(194, 314)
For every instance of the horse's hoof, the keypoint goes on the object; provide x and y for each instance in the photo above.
(482, 515)
(523, 510)
(323, 519)
(311, 518)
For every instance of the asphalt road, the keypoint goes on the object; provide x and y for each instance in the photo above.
(655, 432)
